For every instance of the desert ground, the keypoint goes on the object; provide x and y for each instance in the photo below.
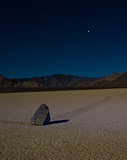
(85, 125)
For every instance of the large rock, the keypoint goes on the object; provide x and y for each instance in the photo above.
(41, 116)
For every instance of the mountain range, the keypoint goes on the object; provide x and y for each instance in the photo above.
(61, 81)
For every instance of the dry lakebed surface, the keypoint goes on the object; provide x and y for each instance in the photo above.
(85, 125)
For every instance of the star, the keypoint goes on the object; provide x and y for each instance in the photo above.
(91, 52)
(76, 44)
(107, 57)
(88, 31)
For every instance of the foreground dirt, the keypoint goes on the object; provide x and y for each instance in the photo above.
(84, 125)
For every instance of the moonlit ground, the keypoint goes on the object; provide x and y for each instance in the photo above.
(97, 126)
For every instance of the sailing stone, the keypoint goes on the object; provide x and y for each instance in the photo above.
(41, 116)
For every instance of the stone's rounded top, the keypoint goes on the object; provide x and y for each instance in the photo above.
(43, 107)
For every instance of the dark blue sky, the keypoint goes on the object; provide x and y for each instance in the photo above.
(77, 37)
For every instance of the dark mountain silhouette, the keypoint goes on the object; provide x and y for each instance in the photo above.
(102, 82)
(4, 82)
(61, 81)
(120, 81)
(54, 81)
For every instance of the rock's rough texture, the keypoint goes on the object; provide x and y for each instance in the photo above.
(41, 116)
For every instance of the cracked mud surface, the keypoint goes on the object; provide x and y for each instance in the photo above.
(87, 125)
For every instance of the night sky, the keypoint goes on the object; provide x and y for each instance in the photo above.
(76, 37)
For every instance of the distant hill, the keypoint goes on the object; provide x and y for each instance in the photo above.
(120, 81)
(54, 81)
(61, 81)
(4, 82)
(102, 82)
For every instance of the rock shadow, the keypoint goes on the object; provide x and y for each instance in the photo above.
(57, 122)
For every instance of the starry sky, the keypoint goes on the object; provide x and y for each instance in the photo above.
(77, 37)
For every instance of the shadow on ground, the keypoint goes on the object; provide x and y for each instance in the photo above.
(57, 122)
(28, 123)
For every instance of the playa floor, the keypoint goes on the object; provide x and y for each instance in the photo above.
(85, 125)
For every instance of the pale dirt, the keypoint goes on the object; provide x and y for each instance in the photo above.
(96, 130)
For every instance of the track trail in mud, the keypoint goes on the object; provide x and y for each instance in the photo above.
(72, 114)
